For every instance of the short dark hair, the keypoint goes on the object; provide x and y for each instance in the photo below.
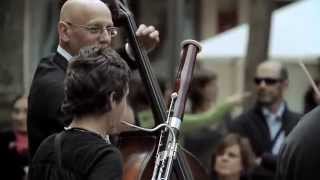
(91, 78)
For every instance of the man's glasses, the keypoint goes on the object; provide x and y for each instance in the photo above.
(267, 81)
(112, 31)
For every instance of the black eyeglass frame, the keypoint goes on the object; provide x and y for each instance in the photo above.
(266, 80)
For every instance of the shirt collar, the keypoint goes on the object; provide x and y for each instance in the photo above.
(64, 53)
(266, 112)
(106, 137)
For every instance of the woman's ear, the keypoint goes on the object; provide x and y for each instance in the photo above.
(112, 100)
(63, 31)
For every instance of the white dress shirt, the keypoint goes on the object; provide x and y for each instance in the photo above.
(274, 121)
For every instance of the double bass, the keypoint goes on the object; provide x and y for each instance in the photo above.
(139, 148)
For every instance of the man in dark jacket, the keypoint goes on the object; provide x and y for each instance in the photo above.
(269, 121)
(82, 23)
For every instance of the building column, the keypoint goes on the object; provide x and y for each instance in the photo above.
(208, 18)
(243, 11)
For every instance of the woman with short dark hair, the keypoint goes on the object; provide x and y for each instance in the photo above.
(96, 87)
(233, 158)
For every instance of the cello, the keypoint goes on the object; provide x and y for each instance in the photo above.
(140, 149)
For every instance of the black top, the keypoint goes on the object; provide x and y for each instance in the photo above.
(300, 158)
(84, 155)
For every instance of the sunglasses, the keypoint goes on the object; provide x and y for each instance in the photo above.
(267, 81)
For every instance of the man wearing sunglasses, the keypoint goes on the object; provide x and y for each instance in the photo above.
(269, 121)
(82, 23)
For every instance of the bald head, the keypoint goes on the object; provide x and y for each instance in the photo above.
(74, 10)
(272, 69)
(77, 19)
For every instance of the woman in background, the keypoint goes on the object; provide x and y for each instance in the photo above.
(201, 108)
(14, 143)
(233, 159)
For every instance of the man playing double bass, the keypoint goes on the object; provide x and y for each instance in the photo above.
(82, 23)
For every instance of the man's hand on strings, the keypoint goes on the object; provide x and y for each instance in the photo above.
(148, 36)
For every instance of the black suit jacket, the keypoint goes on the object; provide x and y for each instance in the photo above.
(46, 96)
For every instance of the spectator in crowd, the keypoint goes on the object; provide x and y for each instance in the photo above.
(269, 121)
(311, 99)
(14, 143)
(202, 109)
(233, 159)
(82, 23)
(202, 125)
(96, 89)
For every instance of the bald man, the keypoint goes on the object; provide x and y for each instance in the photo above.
(82, 23)
(269, 121)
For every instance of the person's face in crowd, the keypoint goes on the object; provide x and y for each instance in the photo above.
(269, 85)
(229, 162)
(119, 113)
(87, 25)
(19, 114)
